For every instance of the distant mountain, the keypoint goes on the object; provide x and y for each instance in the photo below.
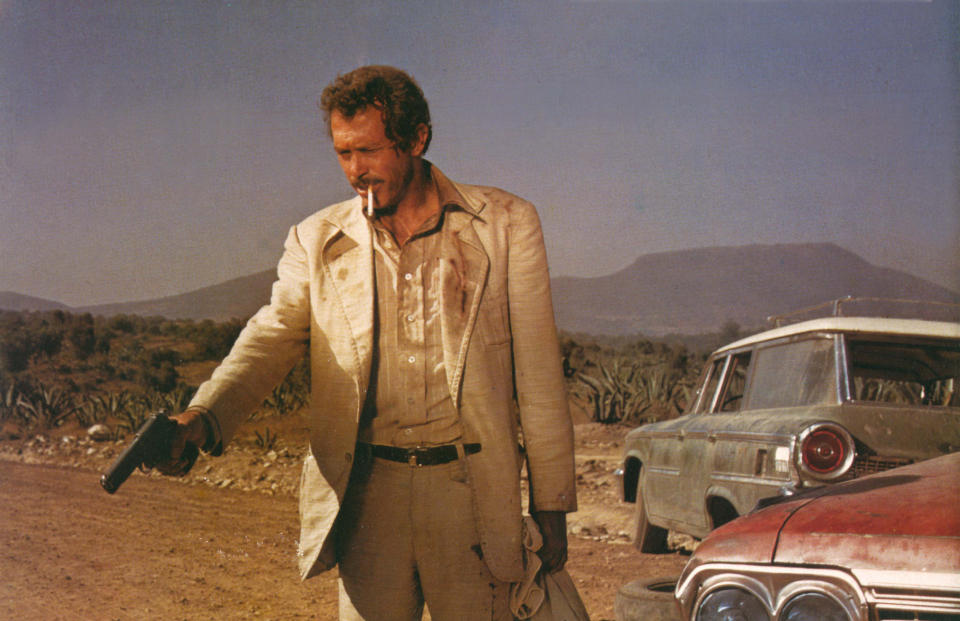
(697, 290)
(17, 302)
(684, 292)
(237, 298)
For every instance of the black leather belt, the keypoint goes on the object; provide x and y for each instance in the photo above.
(419, 456)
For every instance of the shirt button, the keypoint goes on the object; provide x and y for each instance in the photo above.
(410, 317)
(408, 276)
(412, 359)
(408, 431)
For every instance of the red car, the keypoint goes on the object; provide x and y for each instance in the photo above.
(881, 547)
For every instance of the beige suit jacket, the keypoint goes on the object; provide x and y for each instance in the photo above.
(500, 351)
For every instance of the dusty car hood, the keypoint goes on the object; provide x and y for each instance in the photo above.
(906, 519)
(750, 539)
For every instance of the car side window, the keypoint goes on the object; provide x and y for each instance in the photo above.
(708, 386)
(905, 373)
(794, 374)
(735, 384)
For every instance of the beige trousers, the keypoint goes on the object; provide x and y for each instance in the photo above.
(407, 536)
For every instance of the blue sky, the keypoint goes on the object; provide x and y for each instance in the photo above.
(151, 148)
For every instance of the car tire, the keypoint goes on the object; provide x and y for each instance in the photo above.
(647, 537)
(647, 600)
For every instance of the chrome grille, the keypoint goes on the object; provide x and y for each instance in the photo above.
(900, 615)
(871, 464)
(893, 604)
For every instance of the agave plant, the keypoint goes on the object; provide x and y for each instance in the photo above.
(45, 408)
(112, 403)
(634, 391)
(284, 399)
(8, 402)
(667, 387)
(88, 413)
(132, 417)
(176, 400)
(266, 441)
(617, 394)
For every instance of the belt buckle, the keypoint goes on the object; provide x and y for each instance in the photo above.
(413, 457)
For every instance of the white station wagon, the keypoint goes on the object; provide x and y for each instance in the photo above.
(798, 406)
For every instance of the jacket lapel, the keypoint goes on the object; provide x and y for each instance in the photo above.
(348, 265)
(463, 273)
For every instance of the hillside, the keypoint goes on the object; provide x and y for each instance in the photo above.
(697, 290)
(17, 302)
(687, 291)
(238, 298)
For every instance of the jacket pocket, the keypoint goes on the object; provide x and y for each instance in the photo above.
(495, 323)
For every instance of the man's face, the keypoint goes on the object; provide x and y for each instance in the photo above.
(370, 159)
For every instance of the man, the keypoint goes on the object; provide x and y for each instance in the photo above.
(428, 321)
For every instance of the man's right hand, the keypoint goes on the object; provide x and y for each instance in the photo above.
(191, 428)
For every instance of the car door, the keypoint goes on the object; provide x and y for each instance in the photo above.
(677, 475)
(729, 446)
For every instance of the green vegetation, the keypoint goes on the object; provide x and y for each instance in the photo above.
(59, 369)
(629, 379)
(266, 440)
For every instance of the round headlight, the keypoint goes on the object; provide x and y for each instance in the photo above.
(814, 607)
(732, 605)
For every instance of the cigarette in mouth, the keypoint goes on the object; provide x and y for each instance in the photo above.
(370, 201)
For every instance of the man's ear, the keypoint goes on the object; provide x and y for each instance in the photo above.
(418, 144)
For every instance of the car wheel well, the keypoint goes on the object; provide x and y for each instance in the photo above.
(720, 511)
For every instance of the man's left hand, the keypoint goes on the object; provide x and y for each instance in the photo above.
(553, 528)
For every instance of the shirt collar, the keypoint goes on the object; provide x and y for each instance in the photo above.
(447, 193)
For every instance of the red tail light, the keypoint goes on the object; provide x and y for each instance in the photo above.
(823, 451)
(826, 451)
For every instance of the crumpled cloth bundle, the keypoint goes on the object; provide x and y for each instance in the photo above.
(539, 596)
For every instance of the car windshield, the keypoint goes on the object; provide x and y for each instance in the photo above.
(794, 373)
(905, 373)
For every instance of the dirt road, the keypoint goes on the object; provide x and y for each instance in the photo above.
(159, 549)
(221, 543)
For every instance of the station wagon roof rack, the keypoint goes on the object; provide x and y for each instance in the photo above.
(851, 306)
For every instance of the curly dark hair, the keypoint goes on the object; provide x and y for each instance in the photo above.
(391, 90)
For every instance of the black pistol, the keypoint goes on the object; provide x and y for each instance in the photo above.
(150, 447)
